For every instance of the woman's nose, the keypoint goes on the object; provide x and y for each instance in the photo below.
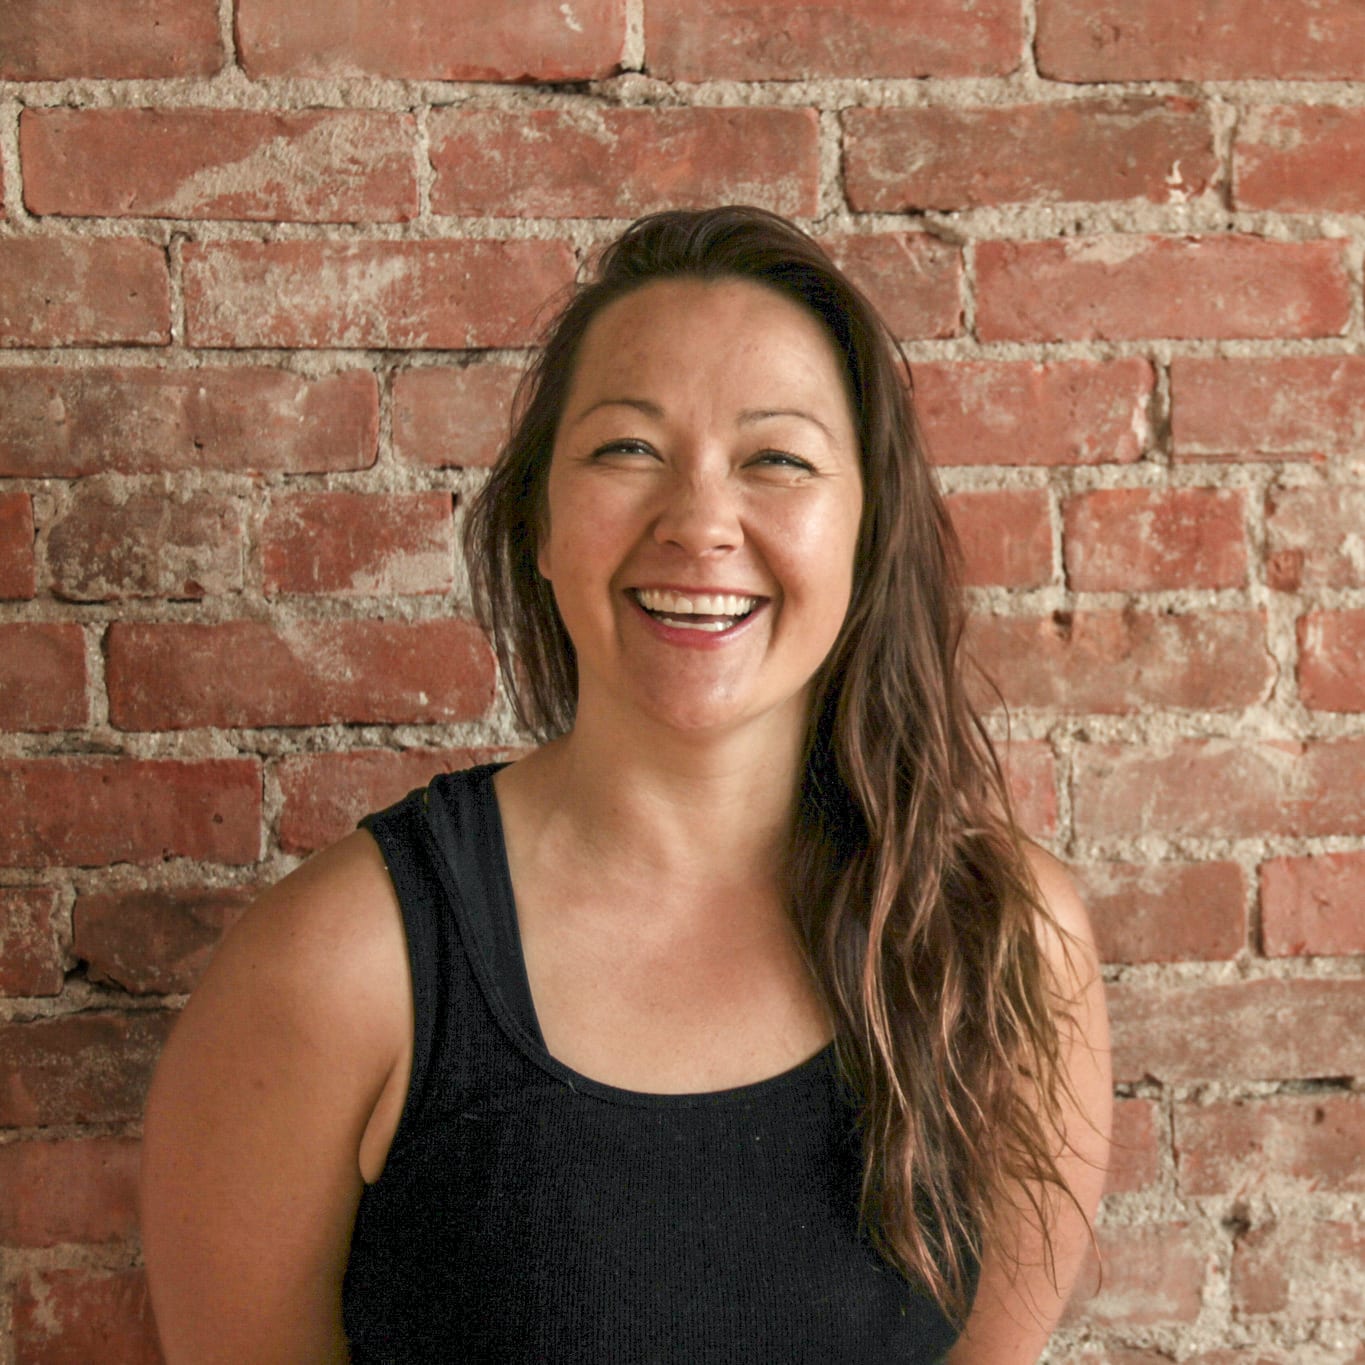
(700, 514)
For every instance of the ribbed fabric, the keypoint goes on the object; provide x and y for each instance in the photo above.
(529, 1214)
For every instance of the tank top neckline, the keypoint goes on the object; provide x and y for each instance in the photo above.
(524, 1032)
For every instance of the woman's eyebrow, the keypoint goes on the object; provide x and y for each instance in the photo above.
(748, 416)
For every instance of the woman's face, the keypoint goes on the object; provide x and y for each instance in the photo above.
(704, 499)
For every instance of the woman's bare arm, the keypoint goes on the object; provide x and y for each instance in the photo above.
(250, 1175)
(1018, 1304)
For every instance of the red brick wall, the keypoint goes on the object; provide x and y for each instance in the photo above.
(267, 270)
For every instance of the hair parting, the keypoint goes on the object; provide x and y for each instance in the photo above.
(909, 885)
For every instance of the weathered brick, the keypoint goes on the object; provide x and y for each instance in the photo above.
(760, 40)
(251, 673)
(914, 280)
(1300, 159)
(1216, 40)
(59, 291)
(1331, 651)
(358, 544)
(1140, 539)
(1312, 906)
(1220, 788)
(1315, 538)
(438, 294)
(447, 416)
(1134, 1157)
(1082, 151)
(17, 571)
(1267, 407)
(91, 1067)
(153, 941)
(1283, 1144)
(1153, 1273)
(114, 542)
(42, 676)
(1299, 1270)
(334, 166)
(607, 162)
(76, 1190)
(1115, 662)
(1166, 912)
(1019, 413)
(1031, 772)
(58, 423)
(1266, 1030)
(54, 40)
(1115, 288)
(75, 1317)
(435, 40)
(32, 961)
(91, 811)
(325, 794)
(1006, 536)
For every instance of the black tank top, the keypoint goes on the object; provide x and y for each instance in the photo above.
(529, 1214)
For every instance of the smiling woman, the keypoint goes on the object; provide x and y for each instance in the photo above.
(737, 1021)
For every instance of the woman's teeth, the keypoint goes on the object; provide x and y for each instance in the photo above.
(702, 611)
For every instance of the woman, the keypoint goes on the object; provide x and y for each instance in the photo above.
(736, 1022)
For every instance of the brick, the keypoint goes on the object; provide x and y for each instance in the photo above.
(1031, 773)
(1216, 40)
(92, 1067)
(91, 811)
(18, 578)
(914, 280)
(151, 940)
(611, 162)
(59, 291)
(1287, 1145)
(324, 795)
(1300, 159)
(1134, 1157)
(74, 1190)
(333, 166)
(54, 40)
(453, 417)
(42, 676)
(435, 40)
(32, 961)
(252, 673)
(1077, 151)
(1267, 407)
(358, 544)
(441, 294)
(1220, 788)
(1153, 1273)
(1006, 536)
(760, 40)
(1116, 288)
(1331, 648)
(58, 423)
(1166, 912)
(74, 1317)
(1069, 412)
(1118, 662)
(1313, 906)
(112, 542)
(1300, 1270)
(1268, 1030)
(1142, 539)
(1315, 538)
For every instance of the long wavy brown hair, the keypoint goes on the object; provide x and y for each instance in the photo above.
(907, 880)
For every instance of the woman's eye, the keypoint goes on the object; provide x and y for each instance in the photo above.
(624, 448)
(782, 459)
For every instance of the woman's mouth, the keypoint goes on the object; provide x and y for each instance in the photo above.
(712, 612)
